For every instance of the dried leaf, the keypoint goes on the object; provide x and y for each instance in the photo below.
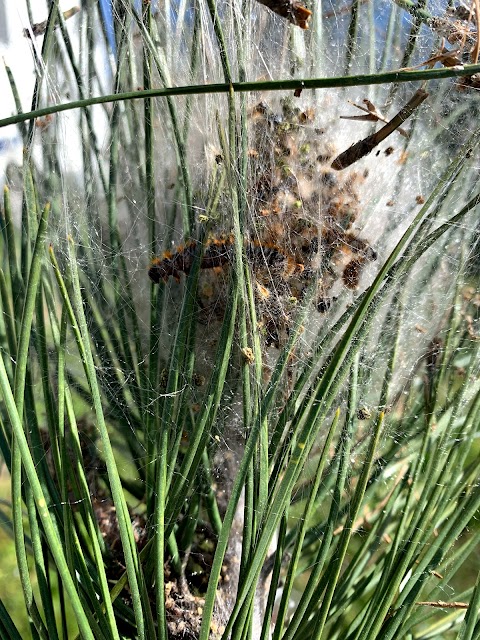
(291, 10)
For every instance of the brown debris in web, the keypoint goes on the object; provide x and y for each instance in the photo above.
(300, 232)
(458, 27)
(291, 10)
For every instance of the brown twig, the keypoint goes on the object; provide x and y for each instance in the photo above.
(446, 56)
(40, 27)
(476, 49)
(373, 115)
(365, 146)
(441, 604)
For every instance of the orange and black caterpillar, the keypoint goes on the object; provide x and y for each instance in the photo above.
(217, 254)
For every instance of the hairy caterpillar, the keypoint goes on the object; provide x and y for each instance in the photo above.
(217, 254)
(300, 230)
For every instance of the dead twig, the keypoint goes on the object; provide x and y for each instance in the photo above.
(39, 28)
(441, 604)
(363, 147)
(374, 115)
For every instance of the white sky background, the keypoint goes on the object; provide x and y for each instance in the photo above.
(16, 52)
